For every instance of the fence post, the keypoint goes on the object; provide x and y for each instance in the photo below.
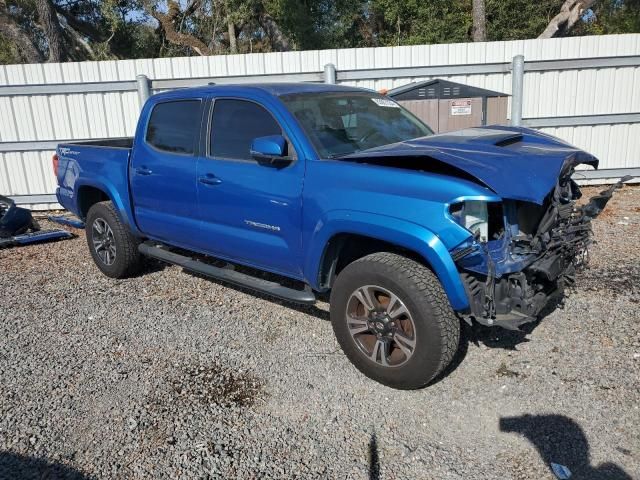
(144, 89)
(330, 73)
(517, 85)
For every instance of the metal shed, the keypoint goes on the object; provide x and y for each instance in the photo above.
(447, 106)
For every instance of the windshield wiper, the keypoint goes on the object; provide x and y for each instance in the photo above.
(333, 156)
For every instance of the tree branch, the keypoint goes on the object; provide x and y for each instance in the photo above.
(570, 12)
(166, 21)
(80, 26)
(278, 39)
(76, 36)
(191, 7)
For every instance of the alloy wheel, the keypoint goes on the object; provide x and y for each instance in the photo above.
(103, 240)
(381, 325)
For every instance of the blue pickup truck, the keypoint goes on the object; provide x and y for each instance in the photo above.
(337, 189)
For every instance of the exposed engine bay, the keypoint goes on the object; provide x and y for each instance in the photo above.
(529, 253)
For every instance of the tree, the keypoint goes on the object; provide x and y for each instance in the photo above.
(479, 21)
(74, 30)
(48, 19)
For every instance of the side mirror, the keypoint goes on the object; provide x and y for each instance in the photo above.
(270, 149)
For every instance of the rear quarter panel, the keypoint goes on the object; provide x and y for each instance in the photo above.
(103, 168)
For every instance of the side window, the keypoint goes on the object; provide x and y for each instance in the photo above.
(235, 124)
(174, 126)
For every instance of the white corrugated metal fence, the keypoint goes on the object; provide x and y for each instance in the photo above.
(41, 104)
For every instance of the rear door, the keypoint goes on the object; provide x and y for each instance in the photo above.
(250, 211)
(163, 172)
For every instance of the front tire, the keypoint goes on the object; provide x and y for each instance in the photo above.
(113, 248)
(393, 320)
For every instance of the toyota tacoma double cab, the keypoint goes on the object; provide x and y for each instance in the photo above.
(337, 189)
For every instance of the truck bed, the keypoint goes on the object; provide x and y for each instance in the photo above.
(95, 162)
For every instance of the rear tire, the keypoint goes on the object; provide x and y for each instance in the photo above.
(113, 248)
(410, 334)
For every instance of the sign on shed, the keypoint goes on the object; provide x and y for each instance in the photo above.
(460, 107)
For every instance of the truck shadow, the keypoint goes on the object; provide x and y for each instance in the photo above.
(496, 337)
(312, 310)
(491, 337)
(559, 439)
(151, 265)
(22, 467)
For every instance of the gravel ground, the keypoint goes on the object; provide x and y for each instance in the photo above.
(169, 375)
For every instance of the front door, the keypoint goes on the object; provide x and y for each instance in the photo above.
(163, 173)
(250, 211)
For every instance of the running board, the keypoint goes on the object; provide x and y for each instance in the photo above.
(229, 275)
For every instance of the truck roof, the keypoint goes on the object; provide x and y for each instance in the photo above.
(275, 89)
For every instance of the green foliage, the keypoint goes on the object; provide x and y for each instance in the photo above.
(320, 24)
(422, 21)
(612, 16)
(115, 29)
(517, 19)
(8, 53)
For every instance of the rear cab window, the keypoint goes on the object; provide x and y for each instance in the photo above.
(174, 126)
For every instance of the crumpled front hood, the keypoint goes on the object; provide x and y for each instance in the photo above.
(516, 163)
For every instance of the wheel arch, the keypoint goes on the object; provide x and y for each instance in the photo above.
(90, 193)
(344, 239)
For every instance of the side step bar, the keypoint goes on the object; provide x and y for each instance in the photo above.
(274, 289)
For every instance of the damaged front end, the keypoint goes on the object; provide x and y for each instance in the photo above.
(523, 255)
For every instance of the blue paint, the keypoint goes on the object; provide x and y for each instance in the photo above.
(526, 169)
(44, 236)
(68, 221)
(268, 146)
(280, 218)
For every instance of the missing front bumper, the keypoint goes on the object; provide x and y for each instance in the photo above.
(513, 283)
(513, 300)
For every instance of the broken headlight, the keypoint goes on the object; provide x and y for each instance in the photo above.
(483, 219)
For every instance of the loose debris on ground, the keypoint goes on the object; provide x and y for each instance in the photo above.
(169, 375)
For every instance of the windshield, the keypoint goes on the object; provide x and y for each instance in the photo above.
(343, 123)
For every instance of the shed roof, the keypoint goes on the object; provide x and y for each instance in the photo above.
(440, 88)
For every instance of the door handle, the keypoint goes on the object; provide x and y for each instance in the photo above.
(210, 179)
(143, 171)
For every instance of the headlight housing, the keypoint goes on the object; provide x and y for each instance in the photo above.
(474, 215)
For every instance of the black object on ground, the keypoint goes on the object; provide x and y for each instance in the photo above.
(18, 227)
